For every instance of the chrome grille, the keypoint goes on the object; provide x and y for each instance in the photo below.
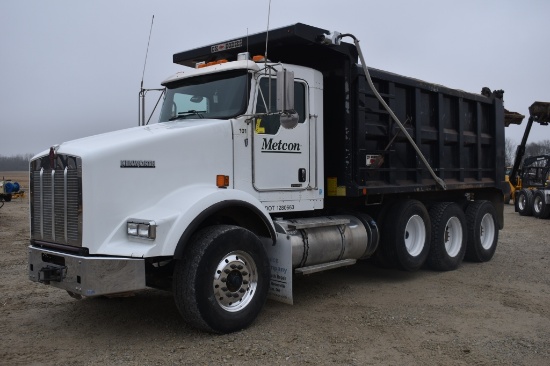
(56, 199)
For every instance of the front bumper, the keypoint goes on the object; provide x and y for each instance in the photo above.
(86, 276)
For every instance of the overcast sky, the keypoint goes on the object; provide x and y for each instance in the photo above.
(70, 69)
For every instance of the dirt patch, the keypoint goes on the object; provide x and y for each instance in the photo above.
(484, 314)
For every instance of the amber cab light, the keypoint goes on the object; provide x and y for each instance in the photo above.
(222, 181)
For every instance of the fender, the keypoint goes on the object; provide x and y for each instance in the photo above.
(204, 203)
(196, 223)
(178, 215)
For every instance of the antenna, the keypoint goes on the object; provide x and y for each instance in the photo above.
(247, 59)
(265, 55)
(147, 51)
(142, 92)
(267, 31)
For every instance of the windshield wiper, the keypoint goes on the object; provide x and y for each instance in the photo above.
(183, 115)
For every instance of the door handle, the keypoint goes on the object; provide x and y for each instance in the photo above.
(302, 175)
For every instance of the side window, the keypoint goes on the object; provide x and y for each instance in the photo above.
(270, 124)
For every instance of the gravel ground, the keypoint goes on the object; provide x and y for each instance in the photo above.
(495, 313)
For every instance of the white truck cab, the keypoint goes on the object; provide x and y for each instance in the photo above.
(219, 148)
(277, 165)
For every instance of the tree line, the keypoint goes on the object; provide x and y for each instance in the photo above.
(531, 149)
(15, 163)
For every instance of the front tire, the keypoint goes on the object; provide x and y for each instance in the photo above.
(449, 238)
(482, 223)
(221, 285)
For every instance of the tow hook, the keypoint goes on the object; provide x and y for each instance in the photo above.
(52, 273)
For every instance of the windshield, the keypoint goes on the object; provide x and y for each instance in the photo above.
(220, 96)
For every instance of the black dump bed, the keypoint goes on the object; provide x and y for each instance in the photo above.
(460, 134)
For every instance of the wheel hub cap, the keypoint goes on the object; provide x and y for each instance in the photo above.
(235, 281)
(453, 236)
(487, 231)
(415, 235)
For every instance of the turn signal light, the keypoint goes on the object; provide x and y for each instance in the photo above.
(222, 181)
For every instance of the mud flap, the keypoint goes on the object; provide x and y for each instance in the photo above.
(280, 261)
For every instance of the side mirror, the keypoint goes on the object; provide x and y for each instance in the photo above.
(285, 91)
(285, 99)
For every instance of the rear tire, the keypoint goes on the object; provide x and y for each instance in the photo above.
(406, 235)
(541, 209)
(221, 285)
(449, 236)
(525, 205)
(483, 229)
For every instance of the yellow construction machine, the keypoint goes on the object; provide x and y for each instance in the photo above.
(528, 178)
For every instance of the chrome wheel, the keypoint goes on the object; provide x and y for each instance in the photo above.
(235, 281)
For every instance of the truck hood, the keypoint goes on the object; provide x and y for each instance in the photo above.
(121, 140)
(126, 172)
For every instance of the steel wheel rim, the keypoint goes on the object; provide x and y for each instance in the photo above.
(521, 201)
(415, 235)
(487, 231)
(537, 206)
(235, 281)
(453, 236)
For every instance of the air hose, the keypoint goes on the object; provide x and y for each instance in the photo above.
(438, 180)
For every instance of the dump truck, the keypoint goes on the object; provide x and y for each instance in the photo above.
(276, 155)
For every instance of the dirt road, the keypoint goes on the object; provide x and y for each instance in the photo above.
(496, 313)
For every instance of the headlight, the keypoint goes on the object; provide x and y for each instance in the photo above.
(144, 229)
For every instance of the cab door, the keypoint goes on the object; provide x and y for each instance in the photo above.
(281, 156)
